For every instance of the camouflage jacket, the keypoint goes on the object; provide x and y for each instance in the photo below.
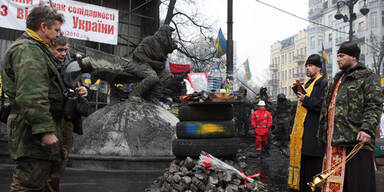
(282, 115)
(358, 107)
(36, 99)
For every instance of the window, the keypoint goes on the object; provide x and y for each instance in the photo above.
(360, 27)
(285, 58)
(325, 5)
(313, 42)
(289, 74)
(330, 19)
(382, 18)
(373, 19)
(330, 37)
(320, 41)
(286, 74)
(282, 59)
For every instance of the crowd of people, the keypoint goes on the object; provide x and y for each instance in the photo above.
(332, 119)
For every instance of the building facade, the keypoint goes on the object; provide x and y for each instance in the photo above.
(287, 59)
(287, 65)
(367, 30)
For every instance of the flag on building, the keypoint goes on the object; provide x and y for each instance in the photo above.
(248, 74)
(221, 44)
(324, 61)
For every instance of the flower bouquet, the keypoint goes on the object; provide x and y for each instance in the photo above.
(210, 162)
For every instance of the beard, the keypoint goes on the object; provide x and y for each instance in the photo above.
(345, 66)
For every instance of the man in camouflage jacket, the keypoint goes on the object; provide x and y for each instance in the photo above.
(357, 113)
(30, 82)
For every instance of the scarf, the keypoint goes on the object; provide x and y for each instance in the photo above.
(296, 141)
(333, 155)
(36, 37)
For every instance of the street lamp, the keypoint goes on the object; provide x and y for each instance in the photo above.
(352, 16)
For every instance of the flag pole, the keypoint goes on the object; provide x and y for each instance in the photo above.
(230, 40)
(243, 83)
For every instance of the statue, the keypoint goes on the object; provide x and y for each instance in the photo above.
(145, 69)
(148, 64)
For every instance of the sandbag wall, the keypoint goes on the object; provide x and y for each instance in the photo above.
(205, 127)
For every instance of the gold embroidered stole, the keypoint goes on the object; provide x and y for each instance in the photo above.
(296, 141)
(333, 155)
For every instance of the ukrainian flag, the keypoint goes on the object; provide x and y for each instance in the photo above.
(248, 74)
(324, 61)
(221, 44)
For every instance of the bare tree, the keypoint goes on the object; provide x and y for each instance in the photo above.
(194, 33)
(377, 50)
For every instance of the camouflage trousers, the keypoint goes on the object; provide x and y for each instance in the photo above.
(55, 178)
(31, 175)
(35, 175)
(282, 134)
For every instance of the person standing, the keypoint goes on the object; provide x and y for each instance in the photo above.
(305, 153)
(350, 113)
(30, 82)
(261, 121)
(282, 119)
(59, 50)
(242, 113)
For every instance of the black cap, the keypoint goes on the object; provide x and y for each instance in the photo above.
(350, 48)
(314, 59)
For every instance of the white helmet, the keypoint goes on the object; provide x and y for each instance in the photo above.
(261, 103)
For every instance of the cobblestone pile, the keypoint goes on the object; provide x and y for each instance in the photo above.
(187, 176)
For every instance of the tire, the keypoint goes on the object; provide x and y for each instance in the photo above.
(207, 112)
(217, 147)
(204, 129)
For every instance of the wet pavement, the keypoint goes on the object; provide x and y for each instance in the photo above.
(77, 180)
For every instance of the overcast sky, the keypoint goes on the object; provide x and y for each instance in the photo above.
(256, 27)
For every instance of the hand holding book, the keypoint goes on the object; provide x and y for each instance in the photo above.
(298, 87)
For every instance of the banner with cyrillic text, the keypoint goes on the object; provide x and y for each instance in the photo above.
(82, 21)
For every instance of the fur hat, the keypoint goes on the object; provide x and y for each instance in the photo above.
(350, 48)
(314, 59)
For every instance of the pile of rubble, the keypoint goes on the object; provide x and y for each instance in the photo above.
(187, 176)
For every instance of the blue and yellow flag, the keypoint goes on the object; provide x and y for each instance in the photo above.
(324, 61)
(221, 44)
(248, 74)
